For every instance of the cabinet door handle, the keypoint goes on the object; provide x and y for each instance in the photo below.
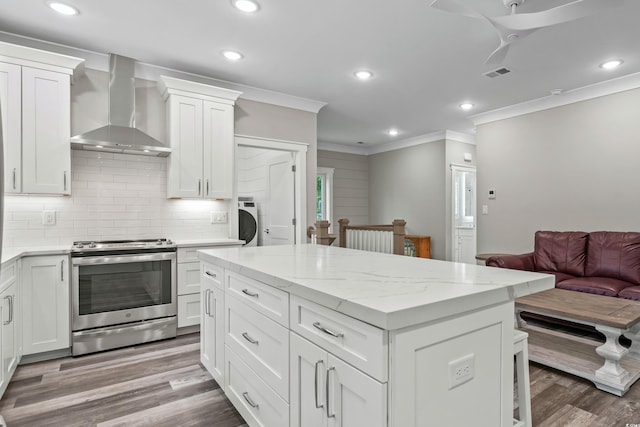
(249, 400)
(328, 331)
(205, 301)
(9, 299)
(62, 271)
(248, 338)
(251, 294)
(65, 180)
(199, 187)
(14, 178)
(330, 414)
(207, 181)
(213, 312)
(315, 379)
(210, 274)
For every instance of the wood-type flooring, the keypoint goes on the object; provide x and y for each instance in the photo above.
(155, 384)
(163, 384)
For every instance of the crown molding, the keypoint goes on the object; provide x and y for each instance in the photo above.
(608, 87)
(397, 145)
(100, 61)
(342, 148)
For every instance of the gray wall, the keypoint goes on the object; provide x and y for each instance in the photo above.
(409, 184)
(350, 186)
(573, 167)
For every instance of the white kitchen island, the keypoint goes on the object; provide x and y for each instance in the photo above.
(311, 335)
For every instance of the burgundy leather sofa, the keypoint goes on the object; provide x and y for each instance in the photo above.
(602, 262)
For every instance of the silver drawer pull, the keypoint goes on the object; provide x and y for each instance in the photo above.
(249, 400)
(210, 274)
(248, 338)
(251, 294)
(315, 379)
(328, 331)
(330, 413)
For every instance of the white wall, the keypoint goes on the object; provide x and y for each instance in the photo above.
(573, 167)
(350, 186)
(114, 196)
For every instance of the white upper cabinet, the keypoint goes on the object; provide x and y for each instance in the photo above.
(35, 100)
(200, 131)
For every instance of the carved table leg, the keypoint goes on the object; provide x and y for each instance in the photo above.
(520, 322)
(634, 335)
(612, 351)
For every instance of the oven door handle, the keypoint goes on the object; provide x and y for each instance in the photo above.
(120, 259)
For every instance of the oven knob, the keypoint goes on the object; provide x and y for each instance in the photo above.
(169, 242)
(79, 245)
(92, 245)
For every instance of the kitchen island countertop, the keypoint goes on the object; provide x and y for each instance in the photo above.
(387, 291)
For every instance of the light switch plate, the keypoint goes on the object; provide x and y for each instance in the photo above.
(48, 217)
(219, 218)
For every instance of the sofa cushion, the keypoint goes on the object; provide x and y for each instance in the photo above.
(632, 292)
(563, 252)
(595, 285)
(560, 277)
(615, 255)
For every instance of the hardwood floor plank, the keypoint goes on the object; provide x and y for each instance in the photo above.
(125, 383)
(569, 415)
(180, 412)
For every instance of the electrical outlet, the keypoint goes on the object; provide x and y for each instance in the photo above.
(48, 217)
(461, 370)
(219, 218)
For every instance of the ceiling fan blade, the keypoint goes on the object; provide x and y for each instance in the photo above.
(568, 12)
(454, 6)
(498, 55)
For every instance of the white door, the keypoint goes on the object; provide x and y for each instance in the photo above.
(46, 130)
(308, 372)
(45, 308)
(11, 103)
(463, 221)
(212, 330)
(217, 150)
(185, 133)
(280, 227)
(354, 399)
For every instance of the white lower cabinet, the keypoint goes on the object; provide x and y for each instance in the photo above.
(256, 401)
(325, 391)
(212, 325)
(45, 308)
(10, 340)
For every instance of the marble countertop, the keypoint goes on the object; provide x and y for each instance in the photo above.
(387, 291)
(11, 254)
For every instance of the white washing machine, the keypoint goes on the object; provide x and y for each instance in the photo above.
(248, 223)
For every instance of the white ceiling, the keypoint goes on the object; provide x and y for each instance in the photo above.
(425, 61)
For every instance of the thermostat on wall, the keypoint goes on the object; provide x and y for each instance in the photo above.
(492, 193)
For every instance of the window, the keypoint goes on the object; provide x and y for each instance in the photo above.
(324, 194)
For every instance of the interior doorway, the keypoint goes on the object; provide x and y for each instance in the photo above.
(464, 215)
(272, 173)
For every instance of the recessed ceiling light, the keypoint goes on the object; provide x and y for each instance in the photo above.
(247, 6)
(610, 65)
(63, 9)
(466, 106)
(363, 74)
(232, 55)
(393, 132)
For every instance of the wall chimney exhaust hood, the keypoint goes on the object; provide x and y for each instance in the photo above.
(120, 135)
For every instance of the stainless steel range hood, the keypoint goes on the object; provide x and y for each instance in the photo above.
(120, 135)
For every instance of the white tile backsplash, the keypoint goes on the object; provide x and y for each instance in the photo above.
(113, 196)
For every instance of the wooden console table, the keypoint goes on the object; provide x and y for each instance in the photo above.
(584, 357)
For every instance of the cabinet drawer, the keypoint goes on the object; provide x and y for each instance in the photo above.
(188, 310)
(358, 343)
(265, 299)
(189, 254)
(259, 342)
(212, 273)
(188, 278)
(256, 402)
